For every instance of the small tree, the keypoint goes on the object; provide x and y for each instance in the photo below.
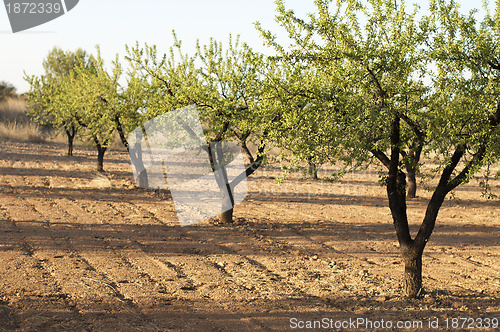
(46, 100)
(224, 85)
(230, 100)
(96, 92)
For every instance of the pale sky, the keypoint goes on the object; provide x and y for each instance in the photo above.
(114, 23)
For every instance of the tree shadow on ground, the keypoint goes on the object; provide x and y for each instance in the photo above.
(170, 313)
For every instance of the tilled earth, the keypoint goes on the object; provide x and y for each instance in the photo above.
(81, 251)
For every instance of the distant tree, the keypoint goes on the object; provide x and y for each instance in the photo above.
(295, 93)
(59, 63)
(78, 94)
(96, 93)
(45, 99)
(7, 90)
(383, 106)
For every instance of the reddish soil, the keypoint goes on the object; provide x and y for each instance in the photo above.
(84, 252)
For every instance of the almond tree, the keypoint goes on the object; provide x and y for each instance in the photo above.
(297, 95)
(384, 105)
(230, 100)
(46, 100)
(96, 93)
(156, 85)
(225, 85)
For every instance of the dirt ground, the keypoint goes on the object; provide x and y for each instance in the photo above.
(85, 252)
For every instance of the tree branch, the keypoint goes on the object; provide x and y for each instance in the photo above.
(254, 165)
(377, 82)
(382, 157)
(494, 120)
(413, 125)
(396, 187)
(494, 64)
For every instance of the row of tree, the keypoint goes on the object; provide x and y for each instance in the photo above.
(361, 82)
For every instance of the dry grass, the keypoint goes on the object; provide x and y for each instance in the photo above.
(22, 132)
(15, 124)
(13, 110)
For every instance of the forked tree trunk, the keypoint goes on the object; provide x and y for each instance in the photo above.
(216, 160)
(411, 251)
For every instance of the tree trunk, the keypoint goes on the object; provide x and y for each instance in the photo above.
(101, 150)
(412, 279)
(142, 179)
(136, 159)
(412, 183)
(226, 217)
(70, 133)
(70, 145)
(312, 169)
(396, 192)
(100, 157)
(216, 156)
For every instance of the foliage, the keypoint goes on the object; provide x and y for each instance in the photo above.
(78, 95)
(381, 99)
(48, 101)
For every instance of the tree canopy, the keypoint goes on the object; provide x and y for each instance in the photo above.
(394, 87)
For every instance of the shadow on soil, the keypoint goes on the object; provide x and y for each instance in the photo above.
(207, 315)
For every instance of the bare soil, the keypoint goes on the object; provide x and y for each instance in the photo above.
(80, 251)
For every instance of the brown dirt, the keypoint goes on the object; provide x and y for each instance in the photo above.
(84, 252)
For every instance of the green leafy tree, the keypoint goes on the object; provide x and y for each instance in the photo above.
(295, 93)
(156, 84)
(46, 100)
(78, 94)
(230, 100)
(383, 107)
(225, 85)
(96, 92)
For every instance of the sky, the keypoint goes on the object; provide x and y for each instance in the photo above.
(112, 24)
